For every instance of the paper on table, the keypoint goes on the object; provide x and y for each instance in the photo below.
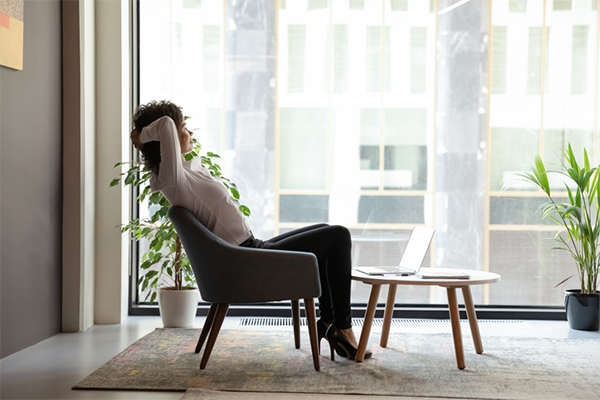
(432, 274)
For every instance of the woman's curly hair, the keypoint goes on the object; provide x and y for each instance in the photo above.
(147, 114)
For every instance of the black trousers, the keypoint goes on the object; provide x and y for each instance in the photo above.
(332, 245)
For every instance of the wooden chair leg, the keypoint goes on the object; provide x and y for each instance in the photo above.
(311, 319)
(220, 313)
(206, 328)
(296, 321)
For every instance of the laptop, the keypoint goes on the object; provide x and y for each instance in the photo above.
(412, 258)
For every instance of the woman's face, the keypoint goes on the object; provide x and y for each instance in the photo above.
(185, 139)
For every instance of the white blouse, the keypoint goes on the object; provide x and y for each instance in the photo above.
(188, 184)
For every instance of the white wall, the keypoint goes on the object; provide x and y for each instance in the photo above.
(97, 115)
(113, 105)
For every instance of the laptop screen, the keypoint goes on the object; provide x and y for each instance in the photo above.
(418, 243)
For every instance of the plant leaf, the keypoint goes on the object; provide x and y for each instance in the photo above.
(586, 160)
(151, 274)
(540, 173)
(563, 281)
(245, 210)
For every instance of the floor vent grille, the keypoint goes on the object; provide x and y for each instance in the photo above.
(378, 322)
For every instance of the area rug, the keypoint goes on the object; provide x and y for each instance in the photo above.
(205, 394)
(421, 365)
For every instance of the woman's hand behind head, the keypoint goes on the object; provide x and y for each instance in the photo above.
(135, 138)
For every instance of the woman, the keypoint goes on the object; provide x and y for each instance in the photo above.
(160, 133)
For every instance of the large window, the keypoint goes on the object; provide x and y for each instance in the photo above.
(385, 114)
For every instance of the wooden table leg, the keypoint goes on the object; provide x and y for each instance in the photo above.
(472, 319)
(366, 330)
(456, 334)
(387, 317)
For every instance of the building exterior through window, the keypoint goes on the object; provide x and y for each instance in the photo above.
(384, 114)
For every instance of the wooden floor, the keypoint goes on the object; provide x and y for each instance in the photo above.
(49, 369)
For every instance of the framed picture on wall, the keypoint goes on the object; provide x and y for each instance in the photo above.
(11, 33)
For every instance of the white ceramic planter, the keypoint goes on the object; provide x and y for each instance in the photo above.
(178, 307)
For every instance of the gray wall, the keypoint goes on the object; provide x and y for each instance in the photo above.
(31, 184)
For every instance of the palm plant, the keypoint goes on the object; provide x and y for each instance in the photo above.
(579, 216)
(165, 257)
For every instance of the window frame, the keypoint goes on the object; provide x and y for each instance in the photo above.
(401, 310)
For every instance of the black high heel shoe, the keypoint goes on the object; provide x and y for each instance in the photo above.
(339, 342)
(321, 333)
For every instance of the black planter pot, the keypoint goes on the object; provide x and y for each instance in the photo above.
(582, 310)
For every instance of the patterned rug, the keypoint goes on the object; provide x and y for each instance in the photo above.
(411, 365)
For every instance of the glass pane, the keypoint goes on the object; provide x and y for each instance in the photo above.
(303, 208)
(391, 210)
(211, 53)
(562, 5)
(317, 4)
(296, 37)
(340, 58)
(303, 148)
(369, 149)
(519, 6)
(357, 4)
(405, 152)
(519, 211)
(499, 56)
(555, 142)
(579, 60)
(569, 107)
(418, 58)
(399, 5)
(534, 60)
(512, 151)
(529, 268)
(373, 59)
(515, 111)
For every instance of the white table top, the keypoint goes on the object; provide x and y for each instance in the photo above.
(476, 278)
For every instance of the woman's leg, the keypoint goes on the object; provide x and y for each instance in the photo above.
(295, 232)
(332, 246)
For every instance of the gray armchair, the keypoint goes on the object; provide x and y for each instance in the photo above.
(228, 274)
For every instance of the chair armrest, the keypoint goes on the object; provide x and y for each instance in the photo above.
(247, 275)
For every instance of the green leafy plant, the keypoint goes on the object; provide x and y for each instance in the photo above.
(165, 257)
(579, 216)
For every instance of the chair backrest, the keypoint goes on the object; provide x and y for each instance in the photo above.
(231, 274)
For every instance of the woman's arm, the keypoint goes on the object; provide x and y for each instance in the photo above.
(135, 139)
(165, 131)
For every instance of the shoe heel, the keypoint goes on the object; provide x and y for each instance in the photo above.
(321, 333)
(337, 341)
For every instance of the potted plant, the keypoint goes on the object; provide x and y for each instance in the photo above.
(165, 272)
(580, 219)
